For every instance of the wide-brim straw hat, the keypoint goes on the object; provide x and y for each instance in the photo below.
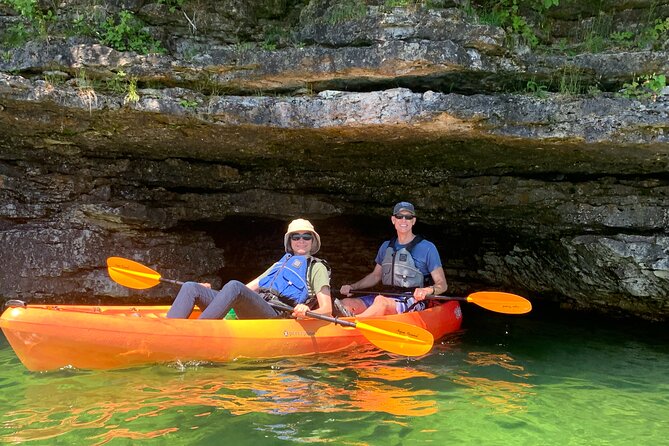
(302, 225)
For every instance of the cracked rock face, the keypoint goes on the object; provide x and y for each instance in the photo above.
(562, 198)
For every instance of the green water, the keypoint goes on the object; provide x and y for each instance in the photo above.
(501, 381)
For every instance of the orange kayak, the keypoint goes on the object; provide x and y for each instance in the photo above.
(49, 337)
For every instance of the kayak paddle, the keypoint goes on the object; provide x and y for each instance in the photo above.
(395, 337)
(490, 300)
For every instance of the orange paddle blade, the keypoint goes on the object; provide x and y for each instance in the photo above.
(500, 302)
(397, 337)
(131, 274)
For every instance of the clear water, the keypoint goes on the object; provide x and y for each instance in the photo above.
(501, 381)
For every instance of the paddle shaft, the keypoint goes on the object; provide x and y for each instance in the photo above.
(427, 296)
(172, 281)
(282, 306)
(498, 301)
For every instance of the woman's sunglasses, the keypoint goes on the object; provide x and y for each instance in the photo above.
(296, 237)
(406, 217)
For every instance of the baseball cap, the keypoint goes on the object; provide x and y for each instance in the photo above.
(404, 206)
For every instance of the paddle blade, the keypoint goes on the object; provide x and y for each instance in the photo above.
(397, 337)
(131, 274)
(500, 302)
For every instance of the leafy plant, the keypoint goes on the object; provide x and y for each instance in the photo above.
(657, 32)
(570, 81)
(399, 3)
(132, 96)
(86, 92)
(536, 89)
(173, 5)
(38, 20)
(127, 34)
(512, 15)
(345, 10)
(275, 37)
(117, 83)
(644, 87)
(622, 38)
(185, 103)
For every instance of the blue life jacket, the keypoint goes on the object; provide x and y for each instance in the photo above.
(288, 280)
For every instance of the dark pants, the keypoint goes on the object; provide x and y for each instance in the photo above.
(216, 304)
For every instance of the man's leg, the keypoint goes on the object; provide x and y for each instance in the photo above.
(354, 305)
(382, 306)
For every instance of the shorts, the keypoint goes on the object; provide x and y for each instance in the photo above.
(402, 305)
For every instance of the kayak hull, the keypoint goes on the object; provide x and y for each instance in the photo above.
(50, 337)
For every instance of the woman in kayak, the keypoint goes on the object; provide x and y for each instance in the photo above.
(407, 263)
(297, 279)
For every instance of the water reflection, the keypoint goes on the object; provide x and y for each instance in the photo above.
(123, 403)
(497, 389)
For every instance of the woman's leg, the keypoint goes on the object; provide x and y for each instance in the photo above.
(247, 303)
(190, 294)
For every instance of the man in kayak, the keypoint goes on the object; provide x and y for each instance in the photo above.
(407, 263)
(297, 279)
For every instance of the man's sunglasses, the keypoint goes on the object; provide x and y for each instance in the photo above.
(406, 217)
(296, 237)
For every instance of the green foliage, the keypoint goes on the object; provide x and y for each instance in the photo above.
(54, 78)
(570, 81)
(624, 39)
(86, 90)
(275, 37)
(25, 8)
(185, 103)
(644, 87)
(126, 33)
(536, 89)
(17, 35)
(593, 32)
(511, 14)
(173, 5)
(593, 90)
(132, 96)
(117, 84)
(83, 26)
(37, 21)
(121, 83)
(520, 26)
(653, 35)
(345, 10)
(399, 3)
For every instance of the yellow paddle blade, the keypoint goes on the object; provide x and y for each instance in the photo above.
(397, 337)
(131, 274)
(500, 302)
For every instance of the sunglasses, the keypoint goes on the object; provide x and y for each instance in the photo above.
(406, 217)
(296, 237)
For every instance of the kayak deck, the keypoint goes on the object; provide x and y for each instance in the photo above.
(49, 337)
